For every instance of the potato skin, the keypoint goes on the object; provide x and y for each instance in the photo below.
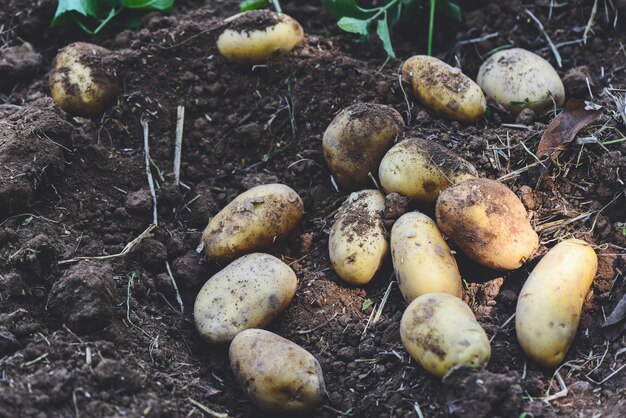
(253, 221)
(550, 303)
(421, 169)
(277, 375)
(356, 140)
(440, 331)
(357, 245)
(249, 293)
(444, 89)
(487, 222)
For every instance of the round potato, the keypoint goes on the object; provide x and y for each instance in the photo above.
(421, 169)
(444, 89)
(254, 220)
(278, 375)
(487, 222)
(357, 245)
(257, 36)
(249, 293)
(549, 305)
(518, 79)
(356, 140)
(440, 331)
(421, 258)
(80, 82)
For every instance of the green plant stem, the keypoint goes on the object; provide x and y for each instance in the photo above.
(613, 141)
(112, 14)
(431, 26)
(277, 7)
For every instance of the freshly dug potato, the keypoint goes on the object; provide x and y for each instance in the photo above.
(356, 140)
(421, 258)
(253, 221)
(421, 169)
(444, 89)
(549, 305)
(249, 293)
(80, 82)
(488, 223)
(278, 375)
(257, 36)
(518, 79)
(440, 331)
(357, 244)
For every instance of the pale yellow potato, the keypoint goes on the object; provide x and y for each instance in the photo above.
(421, 169)
(550, 303)
(257, 36)
(249, 293)
(253, 221)
(444, 89)
(356, 140)
(357, 245)
(440, 331)
(80, 82)
(276, 374)
(518, 79)
(422, 260)
(487, 222)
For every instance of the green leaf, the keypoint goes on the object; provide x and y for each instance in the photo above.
(246, 5)
(65, 8)
(341, 8)
(162, 5)
(382, 30)
(366, 304)
(352, 25)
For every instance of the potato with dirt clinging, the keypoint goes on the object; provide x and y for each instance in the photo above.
(444, 89)
(440, 331)
(249, 293)
(550, 303)
(357, 245)
(254, 220)
(518, 79)
(421, 169)
(356, 140)
(278, 375)
(487, 222)
(80, 82)
(257, 36)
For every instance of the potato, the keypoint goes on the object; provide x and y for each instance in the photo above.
(249, 293)
(440, 331)
(253, 221)
(357, 245)
(518, 79)
(421, 169)
(444, 89)
(487, 222)
(421, 258)
(257, 36)
(356, 140)
(278, 375)
(80, 82)
(549, 305)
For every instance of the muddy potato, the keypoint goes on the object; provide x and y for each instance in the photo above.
(253, 221)
(357, 245)
(440, 331)
(519, 79)
(421, 169)
(356, 140)
(487, 222)
(248, 293)
(549, 305)
(278, 375)
(444, 89)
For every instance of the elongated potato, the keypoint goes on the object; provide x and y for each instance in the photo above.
(249, 293)
(549, 305)
(253, 221)
(488, 223)
(357, 244)
(278, 375)
(444, 89)
(440, 331)
(421, 169)
(421, 258)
